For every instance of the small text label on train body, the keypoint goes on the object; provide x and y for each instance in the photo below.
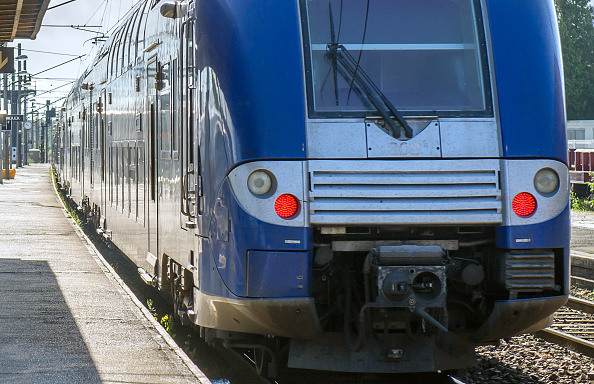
(405, 149)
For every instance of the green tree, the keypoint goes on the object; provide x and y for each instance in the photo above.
(576, 28)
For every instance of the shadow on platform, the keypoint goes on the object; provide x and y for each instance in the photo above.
(39, 339)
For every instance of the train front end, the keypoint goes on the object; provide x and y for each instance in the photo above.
(417, 203)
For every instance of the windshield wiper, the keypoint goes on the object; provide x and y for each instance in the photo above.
(353, 72)
(333, 39)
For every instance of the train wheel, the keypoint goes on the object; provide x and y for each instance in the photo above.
(265, 362)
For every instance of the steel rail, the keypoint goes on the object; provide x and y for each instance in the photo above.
(576, 303)
(577, 344)
(574, 343)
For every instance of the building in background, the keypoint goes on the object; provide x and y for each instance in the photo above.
(580, 134)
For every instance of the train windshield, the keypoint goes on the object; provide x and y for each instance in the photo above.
(425, 56)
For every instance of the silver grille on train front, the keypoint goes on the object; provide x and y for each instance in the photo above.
(529, 271)
(404, 192)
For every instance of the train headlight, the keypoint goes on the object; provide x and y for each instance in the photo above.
(260, 183)
(546, 181)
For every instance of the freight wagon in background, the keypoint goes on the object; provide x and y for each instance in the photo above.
(580, 141)
(581, 164)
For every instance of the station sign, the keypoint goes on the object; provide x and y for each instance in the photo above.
(6, 59)
(15, 118)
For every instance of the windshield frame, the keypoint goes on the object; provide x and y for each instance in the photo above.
(484, 64)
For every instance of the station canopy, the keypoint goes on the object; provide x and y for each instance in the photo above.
(21, 19)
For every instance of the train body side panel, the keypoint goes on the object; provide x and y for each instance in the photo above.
(264, 95)
(528, 66)
(248, 258)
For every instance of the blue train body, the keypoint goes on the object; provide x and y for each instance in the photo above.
(387, 179)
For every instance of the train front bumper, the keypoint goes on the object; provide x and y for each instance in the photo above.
(286, 317)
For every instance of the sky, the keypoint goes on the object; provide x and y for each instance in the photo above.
(57, 45)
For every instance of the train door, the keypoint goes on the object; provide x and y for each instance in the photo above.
(102, 154)
(191, 180)
(91, 122)
(166, 171)
(95, 158)
(83, 151)
(152, 206)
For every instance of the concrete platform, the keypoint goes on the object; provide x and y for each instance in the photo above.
(65, 317)
(582, 231)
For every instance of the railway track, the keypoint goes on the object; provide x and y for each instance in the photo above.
(304, 376)
(573, 327)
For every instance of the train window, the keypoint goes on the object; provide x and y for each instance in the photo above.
(132, 37)
(130, 178)
(126, 41)
(76, 170)
(141, 189)
(116, 175)
(70, 147)
(116, 61)
(111, 172)
(165, 110)
(75, 163)
(138, 122)
(125, 56)
(124, 51)
(114, 55)
(141, 26)
(432, 60)
(96, 117)
(86, 133)
(133, 182)
(110, 61)
(123, 168)
(174, 109)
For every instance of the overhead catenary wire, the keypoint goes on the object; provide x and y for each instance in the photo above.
(56, 66)
(44, 106)
(48, 52)
(56, 78)
(53, 89)
(77, 27)
(97, 10)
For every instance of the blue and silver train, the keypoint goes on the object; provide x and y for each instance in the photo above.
(357, 185)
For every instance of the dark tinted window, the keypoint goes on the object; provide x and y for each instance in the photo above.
(424, 55)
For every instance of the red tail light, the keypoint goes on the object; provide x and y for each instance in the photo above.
(286, 206)
(524, 204)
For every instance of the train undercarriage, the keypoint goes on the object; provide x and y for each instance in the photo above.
(420, 303)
